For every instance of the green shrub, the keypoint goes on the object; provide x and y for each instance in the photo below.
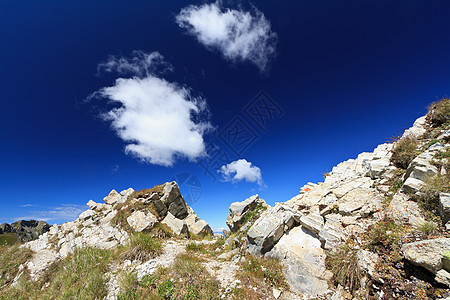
(405, 150)
(343, 263)
(439, 112)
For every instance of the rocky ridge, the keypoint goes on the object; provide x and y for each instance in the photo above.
(355, 198)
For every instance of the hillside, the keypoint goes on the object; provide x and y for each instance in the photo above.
(375, 228)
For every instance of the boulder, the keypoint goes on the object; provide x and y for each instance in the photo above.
(405, 211)
(417, 129)
(303, 262)
(141, 221)
(200, 227)
(444, 207)
(112, 198)
(270, 227)
(178, 226)
(428, 253)
(173, 200)
(238, 211)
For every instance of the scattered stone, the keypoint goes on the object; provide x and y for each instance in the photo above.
(238, 211)
(178, 226)
(444, 207)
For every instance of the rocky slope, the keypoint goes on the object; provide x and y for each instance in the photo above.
(373, 228)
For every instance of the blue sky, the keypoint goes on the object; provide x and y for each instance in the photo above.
(339, 78)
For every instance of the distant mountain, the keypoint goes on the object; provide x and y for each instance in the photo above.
(22, 231)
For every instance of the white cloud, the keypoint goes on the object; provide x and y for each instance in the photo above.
(239, 35)
(159, 120)
(242, 170)
(63, 213)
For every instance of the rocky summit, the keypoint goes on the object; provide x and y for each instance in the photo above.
(377, 227)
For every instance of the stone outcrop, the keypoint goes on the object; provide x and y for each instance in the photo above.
(238, 211)
(95, 227)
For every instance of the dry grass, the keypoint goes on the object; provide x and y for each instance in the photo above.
(343, 262)
(405, 150)
(439, 112)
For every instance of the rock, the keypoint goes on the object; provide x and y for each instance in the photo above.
(276, 293)
(141, 221)
(444, 207)
(367, 261)
(92, 205)
(40, 261)
(201, 227)
(87, 214)
(419, 170)
(405, 211)
(303, 262)
(238, 211)
(313, 222)
(355, 200)
(428, 253)
(173, 200)
(178, 226)
(229, 254)
(412, 185)
(112, 198)
(271, 226)
(442, 276)
(417, 129)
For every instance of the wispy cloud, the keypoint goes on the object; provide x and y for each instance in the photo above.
(26, 205)
(238, 35)
(62, 213)
(242, 170)
(158, 120)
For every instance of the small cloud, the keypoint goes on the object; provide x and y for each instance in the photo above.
(242, 170)
(238, 35)
(62, 213)
(26, 205)
(158, 120)
(115, 169)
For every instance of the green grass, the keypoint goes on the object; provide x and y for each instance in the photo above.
(8, 239)
(142, 246)
(10, 260)
(185, 279)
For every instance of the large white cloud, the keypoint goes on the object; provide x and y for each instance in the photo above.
(239, 35)
(159, 120)
(242, 169)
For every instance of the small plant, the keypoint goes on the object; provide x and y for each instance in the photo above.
(443, 154)
(166, 289)
(429, 196)
(343, 263)
(427, 227)
(446, 254)
(439, 112)
(385, 233)
(142, 247)
(405, 150)
(267, 270)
